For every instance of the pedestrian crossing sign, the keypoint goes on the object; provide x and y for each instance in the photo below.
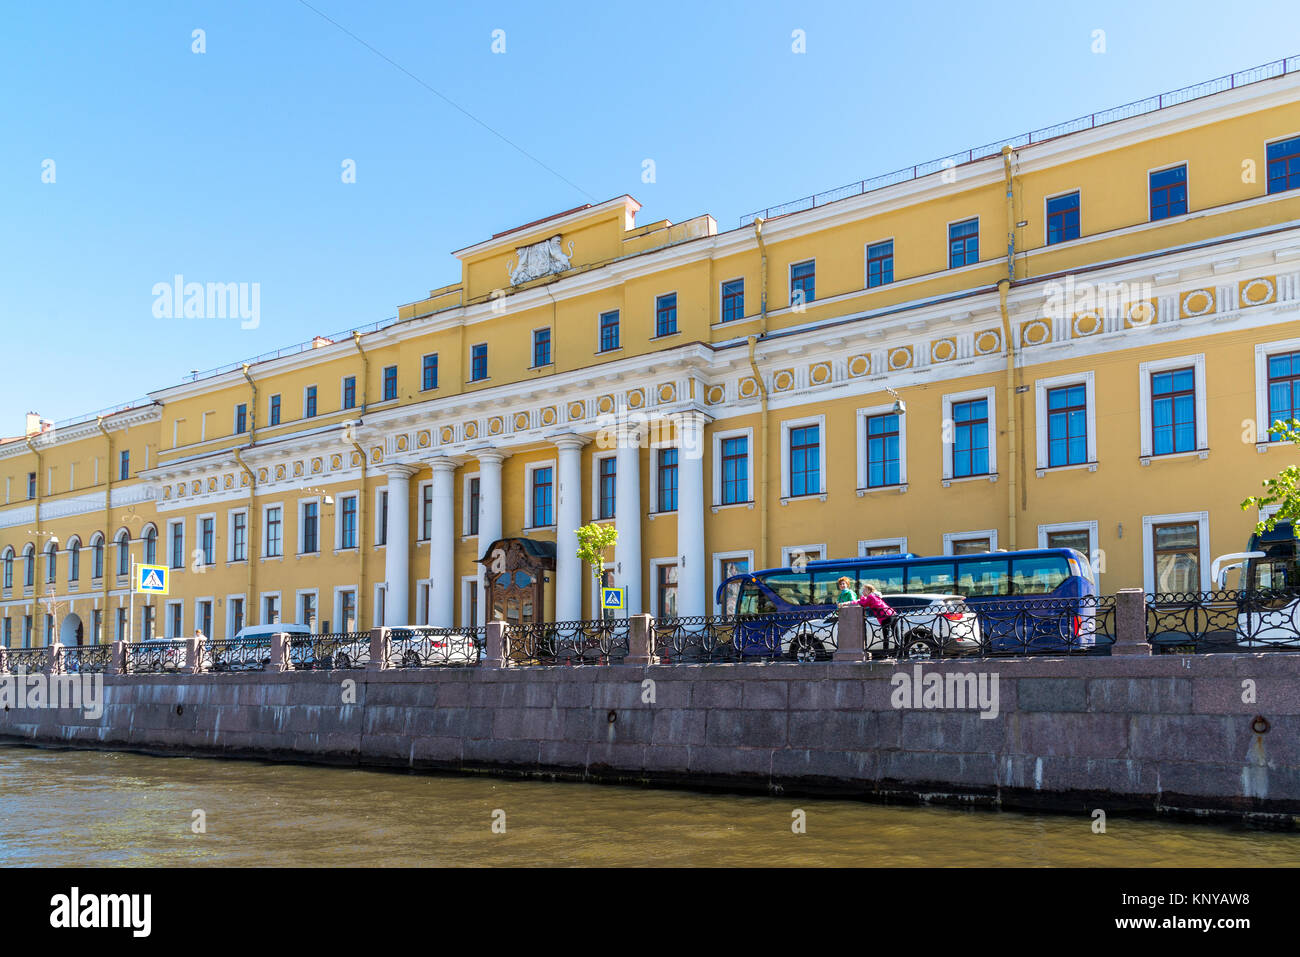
(611, 599)
(151, 579)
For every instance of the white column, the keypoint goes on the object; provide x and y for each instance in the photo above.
(627, 517)
(397, 553)
(569, 570)
(489, 516)
(442, 540)
(692, 577)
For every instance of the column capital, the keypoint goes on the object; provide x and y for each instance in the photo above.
(443, 463)
(399, 470)
(487, 453)
(568, 440)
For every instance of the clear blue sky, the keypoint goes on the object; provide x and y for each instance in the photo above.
(225, 166)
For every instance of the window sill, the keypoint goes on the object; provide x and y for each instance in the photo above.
(819, 496)
(991, 477)
(730, 505)
(1043, 470)
(667, 511)
(666, 335)
(1194, 453)
(486, 378)
(467, 536)
(544, 365)
(347, 548)
(272, 558)
(1262, 447)
(606, 352)
(539, 528)
(236, 561)
(900, 489)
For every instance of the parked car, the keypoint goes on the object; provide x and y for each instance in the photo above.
(325, 653)
(408, 648)
(255, 654)
(927, 624)
(162, 655)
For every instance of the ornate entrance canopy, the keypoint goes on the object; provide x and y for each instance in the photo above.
(518, 570)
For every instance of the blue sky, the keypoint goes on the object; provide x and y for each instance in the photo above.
(226, 166)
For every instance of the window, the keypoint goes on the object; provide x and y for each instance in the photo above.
(666, 590)
(1173, 411)
(123, 472)
(122, 625)
(151, 546)
(241, 418)
(1283, 390)
(1080, 539)
(473, 499)
(27, 629)
(49, 629)
(984, 578)
(270, 609)
(146, 622)
(9, 569)
(31, 483)
(234, 615)
(880, 264)
(274, 417)
(1067, 426)
(307, 609)
(728, 567)
(542, 497)
(882, 451)
(666, 481)
(239, 537)
(609, 330)
(805, 460)
(350, 392)
(1063, 218)
(426, 512)
(390, 382)
(96, 627)
(309, 404)
(51, 564)
(74, 561)
(348, 610)
(803, 282)
(541, 348)
(203, 617)
(207, 540)
(9, 631)
(429, 372)
(310, 527)
(963, 243)
(970, 546)
(97, 551)
(970, 447)
(274, 532)
(1169, 193)
(381, 530)
(666, 314)
(29, 567)
(1177, 558)
(478, 362)
(348, 521)
(123, 554)
(1038, 576)
(733, 300)
(175, 623)
(607, 486)
(735, 470)
(177, 530)
(1284, 165)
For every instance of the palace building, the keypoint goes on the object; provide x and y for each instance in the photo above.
(1079, 338)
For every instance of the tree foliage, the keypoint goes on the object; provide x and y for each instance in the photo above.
(1283, 491)
(594, 540)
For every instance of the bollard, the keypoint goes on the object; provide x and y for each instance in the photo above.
(850, 634)
(193, 656)
(379, 645)
(494, 652)
(54, 659)
(117, 658)
(279, 652)
(1130, 623)
(639, 651)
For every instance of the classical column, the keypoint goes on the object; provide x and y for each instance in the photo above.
(692, 582)
(397, 553)
(489, 515)
(442, 540)
(627, 516)
(569, 573)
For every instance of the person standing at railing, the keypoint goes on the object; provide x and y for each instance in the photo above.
(847, 594)
(879, 608)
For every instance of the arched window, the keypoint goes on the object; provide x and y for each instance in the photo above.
(123, 553)
(29, 566)
(51, 562)
(9, 568)
(97, 550)
(74, 559)
(151, 546)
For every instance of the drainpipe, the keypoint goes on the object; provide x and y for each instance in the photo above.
(349, 436)
(1015, 454)
(36, 578)
(252, 419)
(251, 545)
(365, 382)
(108, 521)
(762, 391)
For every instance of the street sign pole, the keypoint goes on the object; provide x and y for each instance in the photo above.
(130, 598)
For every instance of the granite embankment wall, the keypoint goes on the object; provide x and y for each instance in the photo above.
(1123, 732)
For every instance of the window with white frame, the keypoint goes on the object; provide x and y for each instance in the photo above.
(882, 447)
(970, 543)
(273, 522)
(426, 511)
(604, 485)
(733, 467)
(470, 505)
(469, 601)
(796, 556)
(307, 608)
(176, 619)
(237, 536)
(345, 609)
(663, 587)
(1065, 420)
(270, 608)
(539, 492)
(726, 565)
(803, 457)
(347, 520)
(176, 543)
(873, 547)
(1277, 386)
(1081, 536)
(309, 526)
(1175, 553)
(1172, 406)
(969, 434)
(381, 516)
(234, 614)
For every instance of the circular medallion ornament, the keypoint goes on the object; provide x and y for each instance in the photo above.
(336, 461)
(422, 438)
(667, 392)
(635, 399)
(783, 380)
(820, 374)
(860, 366)
(942, 350)
(1087, 324)
(576, 411)
(494, 425)
(988, 341)
(1141, 313)
(316, 466)
(447, 435)
(548, 415)
(471, 430)
(1257, 292)
(521, 421)
(900, 358)
(715, 395)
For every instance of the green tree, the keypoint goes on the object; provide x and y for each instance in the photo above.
(1283, 491)
(594, 540)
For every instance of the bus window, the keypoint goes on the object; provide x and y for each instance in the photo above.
(985, 578)
(1038, 576)
(790, 588)
(886, 578)
(1274, 574)
(930, 577)
(824, 589)
(754, 601)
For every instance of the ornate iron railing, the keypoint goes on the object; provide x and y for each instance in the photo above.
(599, 642)
(1045, 626)
(435, 647)
(337, 651)
(1224, 621)
(26, 660)
(85, 659)
(155, 657)
(236, 654)
(808, 636)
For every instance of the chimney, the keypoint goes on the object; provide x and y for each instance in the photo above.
(33, 424)
(320, 341)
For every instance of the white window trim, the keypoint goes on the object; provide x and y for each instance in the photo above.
(172, 524)
(654, 315)
(654, 451)
(234, 419)
(198, 604)
(266, 539)
(864, 544)
(338, 520)
(297, 607)
(380, 537)
(336, 619)
(951, 538)
(1041, 388)
(305, 389)
(343, 380)
(167, 618)
(787, 553)
(532, 347)
(1187, 184)
(270, 406)
(718, 438)
(866, 263)
(1145, 371)
(529, 469)
(789, 280)
(655, 565)
(467, 584)
(786, 427)
(230, 534)
(743, 293)
(464, 505)
(419, 511)
(230, 629)
(1094, 550)
(618, 325)
(870, 412)
(422, 601)
(302, 525)
(947, 443)
(947, 243)
(397, 383)
(1068, 192)
(596, 459)
(198, 535)
(1148, 545)
(1262, 352)
(261, 606)
(436, 374)
(717, 560)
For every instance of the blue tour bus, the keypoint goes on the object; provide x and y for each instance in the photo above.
(1001, 587)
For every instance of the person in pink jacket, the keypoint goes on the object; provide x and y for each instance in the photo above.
(878, 607)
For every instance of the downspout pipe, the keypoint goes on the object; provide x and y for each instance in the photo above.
(762, 561)
(1008, 339)
(252, 420)
(349, 436)
(365, 382)
(251, 554)
(108, 518)
(37, 550)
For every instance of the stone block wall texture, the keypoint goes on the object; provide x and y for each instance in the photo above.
(1161, 733)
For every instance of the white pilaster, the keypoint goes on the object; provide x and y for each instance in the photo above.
(627, 517)
(397, 553)
(692, 582)
(569, 572)
(489, 515)
(442, 540)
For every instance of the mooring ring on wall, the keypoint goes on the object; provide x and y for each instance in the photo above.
(1259, 725)
(612, 717)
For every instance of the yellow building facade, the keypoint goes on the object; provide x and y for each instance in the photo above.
(1079, 341)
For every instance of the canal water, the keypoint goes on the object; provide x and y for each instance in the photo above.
(89, 808)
